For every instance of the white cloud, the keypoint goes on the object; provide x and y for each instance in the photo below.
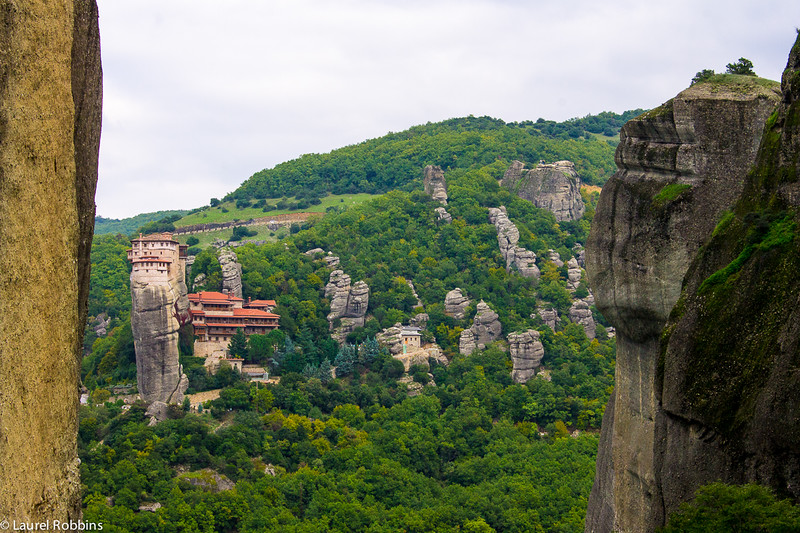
(199, 95)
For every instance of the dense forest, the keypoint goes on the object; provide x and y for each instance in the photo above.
(395, 161)
(456, 447)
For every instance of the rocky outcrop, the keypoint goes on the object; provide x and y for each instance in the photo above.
(231, 273)
(485, 329)
(554, 258)
(348, 304)
(507, 238)
(434, 183)
(579, 313)
(549, 316)
(526, 354)
(158, 311)
(574, 274)
(443, 216)
(50, 105)
(680, 167)
(555, 187)
(580, 254)
(330, 260)
(455, 304)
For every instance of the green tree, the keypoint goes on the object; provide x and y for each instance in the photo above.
(722, 508)
(703, 75)
(237, 347)
(744, 67)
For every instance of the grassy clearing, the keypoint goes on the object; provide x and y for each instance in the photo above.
(206, 238)
(217, 215)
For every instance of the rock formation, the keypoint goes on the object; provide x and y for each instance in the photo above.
(549, 317)
(485, 329)
(50, 105)
(455, 304)
(434, 183)
(526, 354)
(507, 238)
(681, 166)
(330, 259)
(574, 274)
(231, 273)
(555, 187)
(348, 304)
(159, 308)
(580, 313)
(443, 215)
(553, 257)
(580, 254)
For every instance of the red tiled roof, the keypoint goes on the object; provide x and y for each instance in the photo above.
(257, 313)
(262, 303)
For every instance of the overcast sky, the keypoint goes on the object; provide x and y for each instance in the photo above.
(199, 95)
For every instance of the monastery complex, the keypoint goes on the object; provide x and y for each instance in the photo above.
(216, 316)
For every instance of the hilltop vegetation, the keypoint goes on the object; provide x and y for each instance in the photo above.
(395, 161)
(126, 226)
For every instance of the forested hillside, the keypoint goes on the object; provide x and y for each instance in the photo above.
(456, 447)
(395, 161)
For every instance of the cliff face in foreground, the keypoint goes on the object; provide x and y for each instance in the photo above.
(681, 166)
(50, 104)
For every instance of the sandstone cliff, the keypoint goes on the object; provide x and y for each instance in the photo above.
(555, 187)
(158, 310)
(50, 105)
(680, 167)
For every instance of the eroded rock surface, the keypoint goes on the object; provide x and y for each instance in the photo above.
(349, 304)
(507, 238)
(526, 354)
(443, 216)
(579, 313)
(455, 304)
(435, 184)
(231, 273)
(680, 167)
(555, 187)
(485, 329)
(549, 317)
(50, 106)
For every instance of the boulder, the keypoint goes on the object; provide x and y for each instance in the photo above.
(455, 304)
(485, 329)
(349, 304)
(443, 216)
(526, 354)
(555, 187)
(549, 317)
(434, 183)
(580, 313)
